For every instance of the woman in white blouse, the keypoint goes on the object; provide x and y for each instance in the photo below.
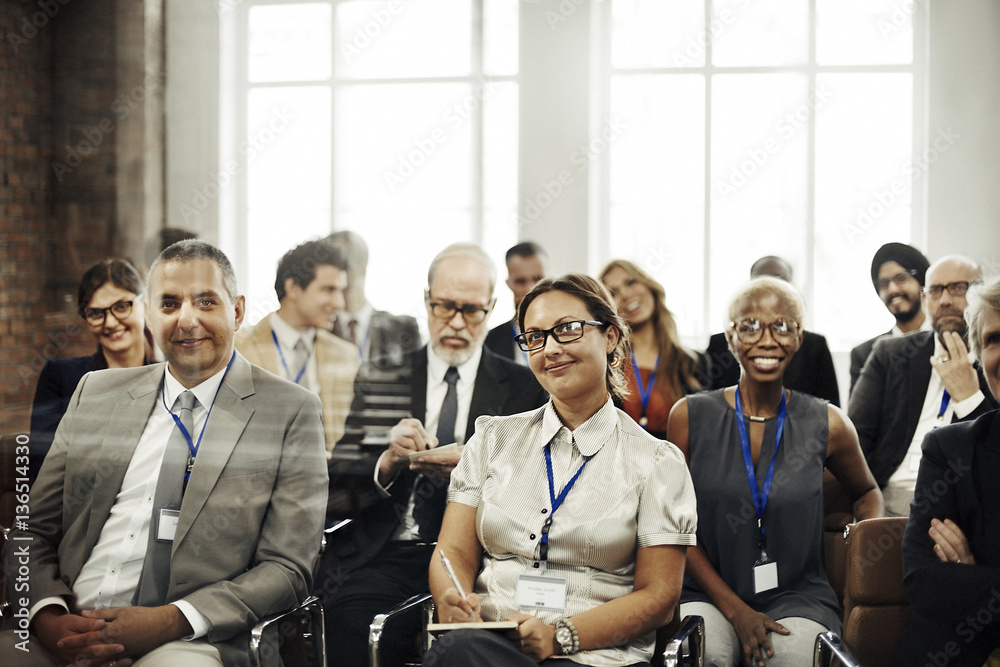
(569, 520)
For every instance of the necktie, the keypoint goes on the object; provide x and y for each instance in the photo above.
(155, 577)
(352, 331)
(432, 494)
(300, 354)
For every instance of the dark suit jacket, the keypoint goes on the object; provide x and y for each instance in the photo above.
(859, 355)
(958, 480)
(391, 339)
(500, 340)
(885, 405)
(252, 516)
(502, 388)
(56, 384)
(810, 371)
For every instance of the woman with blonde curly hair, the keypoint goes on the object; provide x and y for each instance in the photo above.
(662, 370)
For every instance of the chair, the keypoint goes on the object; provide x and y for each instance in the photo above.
(875, 606)
(297, 636)
(837, 514)
(669, 651)
(830, 653)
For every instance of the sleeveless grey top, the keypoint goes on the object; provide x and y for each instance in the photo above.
(793, 518)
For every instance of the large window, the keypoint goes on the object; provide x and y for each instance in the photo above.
(397, 120)
(758, 127)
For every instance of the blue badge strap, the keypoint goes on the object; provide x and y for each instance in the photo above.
(281, 355)
(944, 404)
(361, 348)
(647, 391)
(759, 497)
(556, 501)
(192, 447)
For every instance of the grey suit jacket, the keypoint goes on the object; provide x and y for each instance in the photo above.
(252, 515)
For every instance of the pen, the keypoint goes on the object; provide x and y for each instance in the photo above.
(454, 579)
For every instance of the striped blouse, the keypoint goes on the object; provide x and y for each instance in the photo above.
(635, 492)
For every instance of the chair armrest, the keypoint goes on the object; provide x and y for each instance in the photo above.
(414, 605)
(310, 615)
(693, 630)
(830, 652)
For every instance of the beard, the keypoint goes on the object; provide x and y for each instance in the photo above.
(907, 315)
(956, 324)
(453, 356)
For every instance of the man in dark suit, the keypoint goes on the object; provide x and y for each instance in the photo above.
(951, 548)
(527, 263)
(915, 383)
(898, 272)
(143, 534)
(811, 369)
(396, 503)
(383, 339)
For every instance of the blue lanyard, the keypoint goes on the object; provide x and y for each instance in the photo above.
(193, 448)
(944, 404)
(556, 501)
(647, 391)
(284, 363)
(759, 497)
(364, 342)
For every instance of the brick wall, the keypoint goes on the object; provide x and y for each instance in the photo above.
(73, 175)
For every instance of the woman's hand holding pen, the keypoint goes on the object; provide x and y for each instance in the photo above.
(453, 608)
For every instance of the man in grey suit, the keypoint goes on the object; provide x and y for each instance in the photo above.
(180, 502)
(396, 503)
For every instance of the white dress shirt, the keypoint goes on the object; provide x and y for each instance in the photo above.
(288, 336)
(899, 488)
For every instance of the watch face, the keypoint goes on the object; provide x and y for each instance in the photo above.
(564, 636)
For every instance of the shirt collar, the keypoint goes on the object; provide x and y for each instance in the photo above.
(288, 335)
(590, 436)
(204, 392)
(437, 367)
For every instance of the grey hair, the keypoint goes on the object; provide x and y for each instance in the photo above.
(192, 249)
(468, 251)
(982, 300)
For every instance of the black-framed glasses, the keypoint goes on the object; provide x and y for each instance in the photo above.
(750, 330)
(565, 332)
(959, 288)
(445, 310)
(97, 316)
(900, 279)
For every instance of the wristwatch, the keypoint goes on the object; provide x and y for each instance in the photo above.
(567, 637)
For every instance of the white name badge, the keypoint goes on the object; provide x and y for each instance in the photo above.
(765, 577)
(540, 592)
(166, 527)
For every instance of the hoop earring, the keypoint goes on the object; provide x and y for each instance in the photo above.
(616, 360)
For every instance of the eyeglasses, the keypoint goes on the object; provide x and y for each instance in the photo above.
(751, 330)
(954, 289)
(445, 310)
(900, 279)
(566, 332)
(97, 316)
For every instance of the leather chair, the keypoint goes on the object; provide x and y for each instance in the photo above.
(875, 607)
(837, 514)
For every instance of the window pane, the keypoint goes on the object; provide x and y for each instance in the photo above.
(500, 37)
(653, 33)
(288, 180)
(657, 146)
(870, 32)
(289, 42)
(864, 177)
(759, 177)
(760, 33)
(398, 39)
